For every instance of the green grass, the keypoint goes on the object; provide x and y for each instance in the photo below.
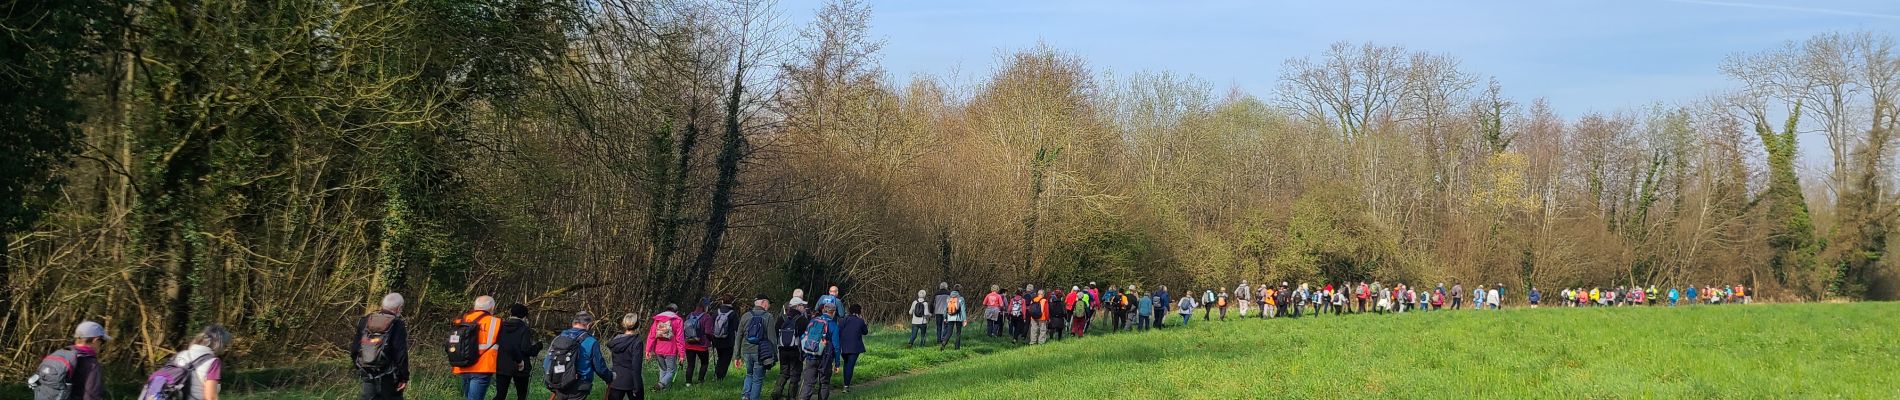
(1753, 352)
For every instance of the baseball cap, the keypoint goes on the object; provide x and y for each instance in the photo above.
(89, 329)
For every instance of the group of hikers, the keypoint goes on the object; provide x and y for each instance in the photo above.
(807, 342)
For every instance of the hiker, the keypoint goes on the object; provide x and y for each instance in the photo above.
(1018, 324)
(1268, 308)
(380, 351)
(1144, 311)
(1457, 295)
(757, 344)
(832, 297)
(1187, 310)
(819, 348)
(514, 349)
(1244, 295)
(1207, 305)
(1495, 297)
(1535, 297)
(1652, 293)
(1083, 308)
(1673, 296)
(724, 332)
(697, 334)
(1037, 312)
(1741, 294)
(201, 365)
(575, 349)
(1095, 304)
(628, 351)
(919, 318)
(475, 366)
(1692, 295)
(943, 324)
(1478, 298)
(791, 326)
(1283, 300)
(993, 312)
(666, 341)
(1118, 306)
(1363, 293)
(1058, 313)
(73, 372)
(851, 335)
(956, 316)
(1220, 302)
(1162, 303)
(1299, 300)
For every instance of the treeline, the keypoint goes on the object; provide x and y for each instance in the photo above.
(276, 166)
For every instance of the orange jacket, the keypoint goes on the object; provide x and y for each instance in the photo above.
(491, 327)
(1041, 303)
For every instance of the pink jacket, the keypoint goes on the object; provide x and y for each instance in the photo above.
(674, 347)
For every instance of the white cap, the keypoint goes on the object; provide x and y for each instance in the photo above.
(89, 329)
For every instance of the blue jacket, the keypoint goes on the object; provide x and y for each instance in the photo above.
(831, 334)
(1145, 306)
(592, 363)
(837, 304)
(1162, 299)
(852, 332)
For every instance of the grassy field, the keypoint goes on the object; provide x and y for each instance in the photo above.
(1757, 351)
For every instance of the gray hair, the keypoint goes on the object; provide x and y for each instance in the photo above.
(485, 303)
(629, 321)
(392, 302)
(215, 337)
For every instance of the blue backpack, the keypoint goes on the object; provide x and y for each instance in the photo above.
(816, 337)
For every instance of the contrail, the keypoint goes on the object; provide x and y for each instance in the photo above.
(1789, 8)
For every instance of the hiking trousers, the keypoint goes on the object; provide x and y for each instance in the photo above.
(1243, 307)
(918, 331)
(383, 388)
(1038, 331)
(725, 360)
(791, 366)
(816, 382)
(695, 361)
(1141, 323)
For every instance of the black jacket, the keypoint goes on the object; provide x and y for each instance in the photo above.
(628, 352)
(518, 348)
(395, 346)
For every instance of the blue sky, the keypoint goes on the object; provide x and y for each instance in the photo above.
(1581, 55)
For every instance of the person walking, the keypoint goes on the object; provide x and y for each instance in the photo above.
(666, 343)
(1245, 296)
(1220, 302)
(1014, 312)
(1083, 308)
(74, 372)
(698, 328)
(1059, 305)
(1364, 293)
(577, 345)
(1457, 295)
(942, 311)
(1162, 302)
(724, 333)
(956, 317)
(1038, 314)
(993, 312)
(1494, 298)
(203, 363)
(919, 319)
(1144, 311)
(514, 351)
(791, 364)
(757, 344)
(1535, 297)
(628, 352)
(851, 335)
(1207, 305)
(478, 372)
(1187, 310)
(380, 353)
(819, 347)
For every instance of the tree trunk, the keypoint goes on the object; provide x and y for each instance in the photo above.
(731, 151)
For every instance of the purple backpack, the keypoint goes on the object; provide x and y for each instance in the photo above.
(171, 381)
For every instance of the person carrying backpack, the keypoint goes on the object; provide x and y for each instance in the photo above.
(1187, 310)
(724, 333)
(956, 315)
(758, 345)
(73, 372)
(1162, 302)
(791, 326)
(919, 318)
(819, 347)
(698, 333)
(380, 351)
(475, 364)
(192, 374)
(1038, 315)
(1058, 313)
(851, 333)
(1014, 312)
(1084, 308)
(1220, 302)
(1245, 295)
(574, 360)
(628, 352)
(993, 312)
(1144, 311)
(942, 301)
(666, 342)
(514, 349)
(1207, 303)
(1457, 295)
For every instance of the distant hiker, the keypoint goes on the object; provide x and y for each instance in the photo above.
(993, 312)
(956, 316)
(1457, 295)
(1264, 298)
(791, 364)
(471, 348)
(74, 373)
(851, 335)
(819, 347)
(1144, 311)
(191, 374)
(515, 351)
(1245, 295)
(1535, 297)
(1494, 298)
(697, 334)
(1364, 294)
(1652, 294)
(1339, 299)
(666, 342)
(1016, 312)
(629, 352)
(1283, 300)
(1117, 309)
(1220, 302)
(756, 333)
(1673, 296)
(1692, 295)
(1187, 310)
(1298, 299)
(1207, 305)
(1038, 315)
(1083, 309)
(724, 333)
(1162, 304)
(919, 318)
(832, 297)
(380, 351)
(940, 305)
(575, 359)
(1059, 312)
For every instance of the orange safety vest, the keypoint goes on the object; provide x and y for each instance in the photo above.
(491, 329)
